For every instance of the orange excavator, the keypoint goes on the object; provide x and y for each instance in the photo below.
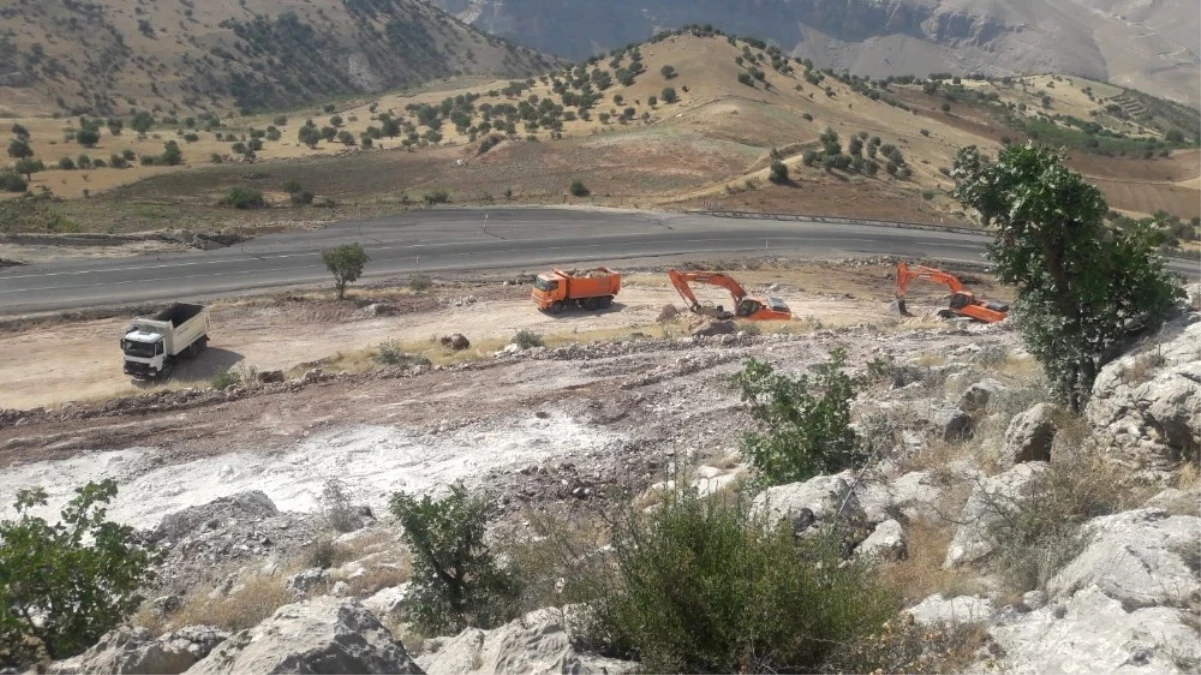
(745, 307)
(963, 302)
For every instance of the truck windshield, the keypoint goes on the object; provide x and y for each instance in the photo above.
(544, 285)
(142, 350)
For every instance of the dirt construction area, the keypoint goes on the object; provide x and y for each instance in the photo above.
(618, 392)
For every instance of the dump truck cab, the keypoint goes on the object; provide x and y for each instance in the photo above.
(548, 289)
(592, 289)
(145, 353)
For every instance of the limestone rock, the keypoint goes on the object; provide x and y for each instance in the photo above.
(887, 542)
(1143, 557)
(822, 498)
(1029, 436)
(134, 651)
(1148, 403)
(320, 635)
(536, 644)
(977, 396)
(388, 602)
(306, 580)
(1093, 633)
(914, 495)
(252, 505)
(962, 609)
(990, 500)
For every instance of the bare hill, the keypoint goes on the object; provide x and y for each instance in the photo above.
(111, 56)
(1150, 46)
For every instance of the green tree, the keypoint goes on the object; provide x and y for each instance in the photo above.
(578, 189)
(668, 72)
(456, 581)
(243, 198)
(64, 585)
(29, 166)
(390, 128)
(855, 146)
(346, 264)
(172, 156)
(1174, 136)
(87, 137)
(66, 164)
(668, 95)
(779, 172)
(805, 422)
(19, 149)
(11, 181)
(346, 138)
(115, 126)
(310, 136)
(142, 122)
(20, 131)
(1083, 291)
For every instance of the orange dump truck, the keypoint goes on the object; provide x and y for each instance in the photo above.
(590, 289)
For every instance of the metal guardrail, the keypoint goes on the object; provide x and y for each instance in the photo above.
(902, 224)
(896, 224)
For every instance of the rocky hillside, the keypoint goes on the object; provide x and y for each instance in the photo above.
(1151, 47)
(109, 57)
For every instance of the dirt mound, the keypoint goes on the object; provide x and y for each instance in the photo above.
(709, 328)
(669, 312)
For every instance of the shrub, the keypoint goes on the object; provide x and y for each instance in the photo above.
(243, 198)
(66, 164)
(745, 78)
(668, 72)
(339, 512)
(346, 264)
(456, 581)
(527, 339)
(280, 120)
(807, 117)
(578, 189)
(437, 197)
(669, 95)
(11, 181)
(420, 282)
(389, 353)
(779, 172)
(64, 585)
(87, 137)
(702, 586)
(302, 198)
(805, 423)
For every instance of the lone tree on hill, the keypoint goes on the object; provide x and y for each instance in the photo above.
(346, 264)
(1084, 291)
(19, 149)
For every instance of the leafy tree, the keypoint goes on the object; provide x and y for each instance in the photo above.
(1082, 291)
(28, 166)
(11, 181)
(117, 161)
(855, 146)
(652, 101)
(115, 126)
(64, 585)
(456, 581)
(578, 189)
(390, 128)
(805, 422)
(88, 138)
(310, 136)
(668, 95)
(172, 156)
(1174, 136)
(335, 121)
(142, 122)
(243, 198)
(280, 120)
(346, 138)
(66, 164)
(668, 72)
(346, 264)
(779, 172)
(745, 78)
(329, 133)
(20, 131)
(84, 162)
(19, 149)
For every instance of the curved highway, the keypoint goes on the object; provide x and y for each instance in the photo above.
(458, 239)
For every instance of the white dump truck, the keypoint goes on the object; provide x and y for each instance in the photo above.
(152, 344)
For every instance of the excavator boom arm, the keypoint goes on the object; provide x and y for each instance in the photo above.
(681, 279)
(905, 274)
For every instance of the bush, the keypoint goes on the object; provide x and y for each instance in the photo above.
(389, 353)
(346, 264)
(578, 189)
(87, 137)
(302, 197)
(456, 582)
(64, 585)
(805, 423)
(339, 512)
(420, 282)
(702, 586)
(437, 197)
(11, 181)
(527, 339)
(779, 172)
(745, 78)
(243, 198)
(66, 164)
(668, 72)
(668, 95)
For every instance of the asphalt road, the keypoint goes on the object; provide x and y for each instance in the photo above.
(457, 239)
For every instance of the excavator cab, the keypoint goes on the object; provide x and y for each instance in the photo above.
(745, 307)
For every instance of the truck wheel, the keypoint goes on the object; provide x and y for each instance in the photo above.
(202, 344)
(556, 307)
(165, 373)
(590, 304)
(606, 302)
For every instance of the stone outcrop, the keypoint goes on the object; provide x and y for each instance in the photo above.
(990, 500)
(1029, 436)
(962, 609)
(321, 635)
(536, 644)
(134, 651)
(886, 542)
(819, 499)
(1148, 403)
(978, 396)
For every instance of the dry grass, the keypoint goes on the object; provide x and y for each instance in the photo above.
(921, 573)
(258, 599)
(1143, 368)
